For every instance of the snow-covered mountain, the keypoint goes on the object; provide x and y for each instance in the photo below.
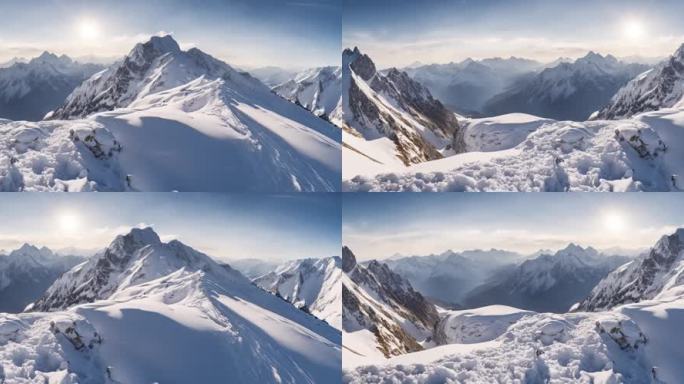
(382, 316)
(465, 87)
(568, 91)
(313, 285)
(637, 340)
(163, 119)
(547, 283)
(661, 87)
(656, 275)
(447, 277)
(29, 90)
(27, 272)
(390, 118)
(148, 311)
(316, 89)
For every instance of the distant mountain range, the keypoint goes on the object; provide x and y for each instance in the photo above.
(563, 90)
(27, 272)
(29, 90)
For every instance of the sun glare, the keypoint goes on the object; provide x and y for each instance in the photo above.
(88, 29)
(633, 29)
(68, 222)
(613, 222)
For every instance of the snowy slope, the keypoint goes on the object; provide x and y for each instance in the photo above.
(309, 284)
(651, 276)
(316, 89)
(547, 283)
(537, 348)
(29, 90)
(637, 343)
(571, 91)
(147, 311)
(660, 87)
(640, 154)
(172, 120)
(26, 272)
(381, 312)
(382, 108)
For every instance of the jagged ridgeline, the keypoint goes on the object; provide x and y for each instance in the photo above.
(227, 131)
(145, 309)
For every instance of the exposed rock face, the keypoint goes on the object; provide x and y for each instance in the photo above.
(661, 87)
(397, 107)
(379, 300)
(642, 279)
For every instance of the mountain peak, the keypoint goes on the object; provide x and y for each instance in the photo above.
(348, 259)
(165, 43)
(145, 235)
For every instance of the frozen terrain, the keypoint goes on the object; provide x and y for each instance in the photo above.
(640, 154)
(145, 311)
(163, 119)
(640, 150)
(631, 337)
(313, 285)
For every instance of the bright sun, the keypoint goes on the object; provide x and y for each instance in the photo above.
(88, 29)
(633, 29)
(613, 222)
(69, 222)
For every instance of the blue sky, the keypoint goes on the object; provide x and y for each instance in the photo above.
(289, 33)
(399, 32)
(226, 226)
(380, 225)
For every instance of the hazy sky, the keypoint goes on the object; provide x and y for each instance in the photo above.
(287, 33)
(380, 225)
(222, 225)
(399, 32)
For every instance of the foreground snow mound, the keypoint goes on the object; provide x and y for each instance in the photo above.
(538, 348)
(313, 285)
(641, 154)
(145, 311)
(59, 156)
(478, 325)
